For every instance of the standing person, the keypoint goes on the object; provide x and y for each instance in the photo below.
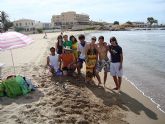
(53, 61)
(59, 45)
(67, 42)
(81, 52)
(45, 36)
(116, 68)
(91, 59)
(67, 61)
(103, 61)
(74, 46)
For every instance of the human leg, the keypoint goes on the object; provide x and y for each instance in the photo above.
(116, 82)
(119, 81)
(105, 77)
(98, 78)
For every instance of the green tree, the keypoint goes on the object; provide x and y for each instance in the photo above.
(151, 20)
(39, 30)
(19, 29)
(4, 19)
(156, 21)
(116, 23)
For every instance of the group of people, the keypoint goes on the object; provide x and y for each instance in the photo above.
(70, 54)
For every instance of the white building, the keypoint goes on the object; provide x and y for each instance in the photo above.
(30, 26)
(42, 25)
(24, 24)
(68, 19)
(140, 24)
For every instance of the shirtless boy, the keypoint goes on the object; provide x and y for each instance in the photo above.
(103, 61)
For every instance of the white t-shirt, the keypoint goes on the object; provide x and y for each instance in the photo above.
(82, 50)
(54, 61)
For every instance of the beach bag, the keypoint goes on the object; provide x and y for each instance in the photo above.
(2, 89)
(59, 72)
(12, 87)
(15, 86)
(20, 80)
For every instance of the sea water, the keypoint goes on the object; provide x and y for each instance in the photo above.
(144, 60)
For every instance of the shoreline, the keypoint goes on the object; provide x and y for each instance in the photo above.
(141, 107)
(133, 84)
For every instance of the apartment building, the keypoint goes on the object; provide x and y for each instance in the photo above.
(24, 24)
(69, 19)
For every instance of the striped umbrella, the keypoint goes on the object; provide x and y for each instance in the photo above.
(11, 40)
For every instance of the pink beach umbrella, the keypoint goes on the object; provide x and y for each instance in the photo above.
(12, 40)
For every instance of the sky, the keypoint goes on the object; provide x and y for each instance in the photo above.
(98, 10)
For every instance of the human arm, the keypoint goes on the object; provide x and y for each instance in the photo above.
(78, 50)
(121, 60)
(48, 62)
(86, 51)
(59, 60)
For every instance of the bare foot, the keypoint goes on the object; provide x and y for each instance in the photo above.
(99, 84)
(115, 88)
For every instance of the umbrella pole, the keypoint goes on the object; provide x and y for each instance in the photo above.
(12, 61)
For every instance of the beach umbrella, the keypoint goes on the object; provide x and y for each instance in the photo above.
(12, 40)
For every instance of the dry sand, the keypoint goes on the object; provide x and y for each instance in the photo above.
(68, 99)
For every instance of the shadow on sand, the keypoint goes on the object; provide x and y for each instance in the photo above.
(109, 97)
(29, 98)
(123, 100)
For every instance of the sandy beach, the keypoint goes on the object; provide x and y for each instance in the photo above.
(66, 99)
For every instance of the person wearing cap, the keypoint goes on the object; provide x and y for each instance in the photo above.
(81, 52)
(103, 60)
(91, 59)
(67, 61)
(116, 68)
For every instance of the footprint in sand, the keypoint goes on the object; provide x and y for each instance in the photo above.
(58, 103)
(28, 106)
(41, 104)
(81, 121)
(14, 117)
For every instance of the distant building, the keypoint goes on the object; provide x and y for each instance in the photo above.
(30, 26)
(41, 25)
(140, 24)
(46, 25)
(69, 19)
(24, 25)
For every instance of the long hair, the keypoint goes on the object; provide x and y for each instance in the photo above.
(59, 37)
(114, 39)
(70, 38)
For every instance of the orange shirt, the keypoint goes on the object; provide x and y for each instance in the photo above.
(67, 59)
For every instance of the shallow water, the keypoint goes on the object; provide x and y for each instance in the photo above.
(144, 60)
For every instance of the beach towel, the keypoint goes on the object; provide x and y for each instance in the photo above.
(15, 86)
(2, 89)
